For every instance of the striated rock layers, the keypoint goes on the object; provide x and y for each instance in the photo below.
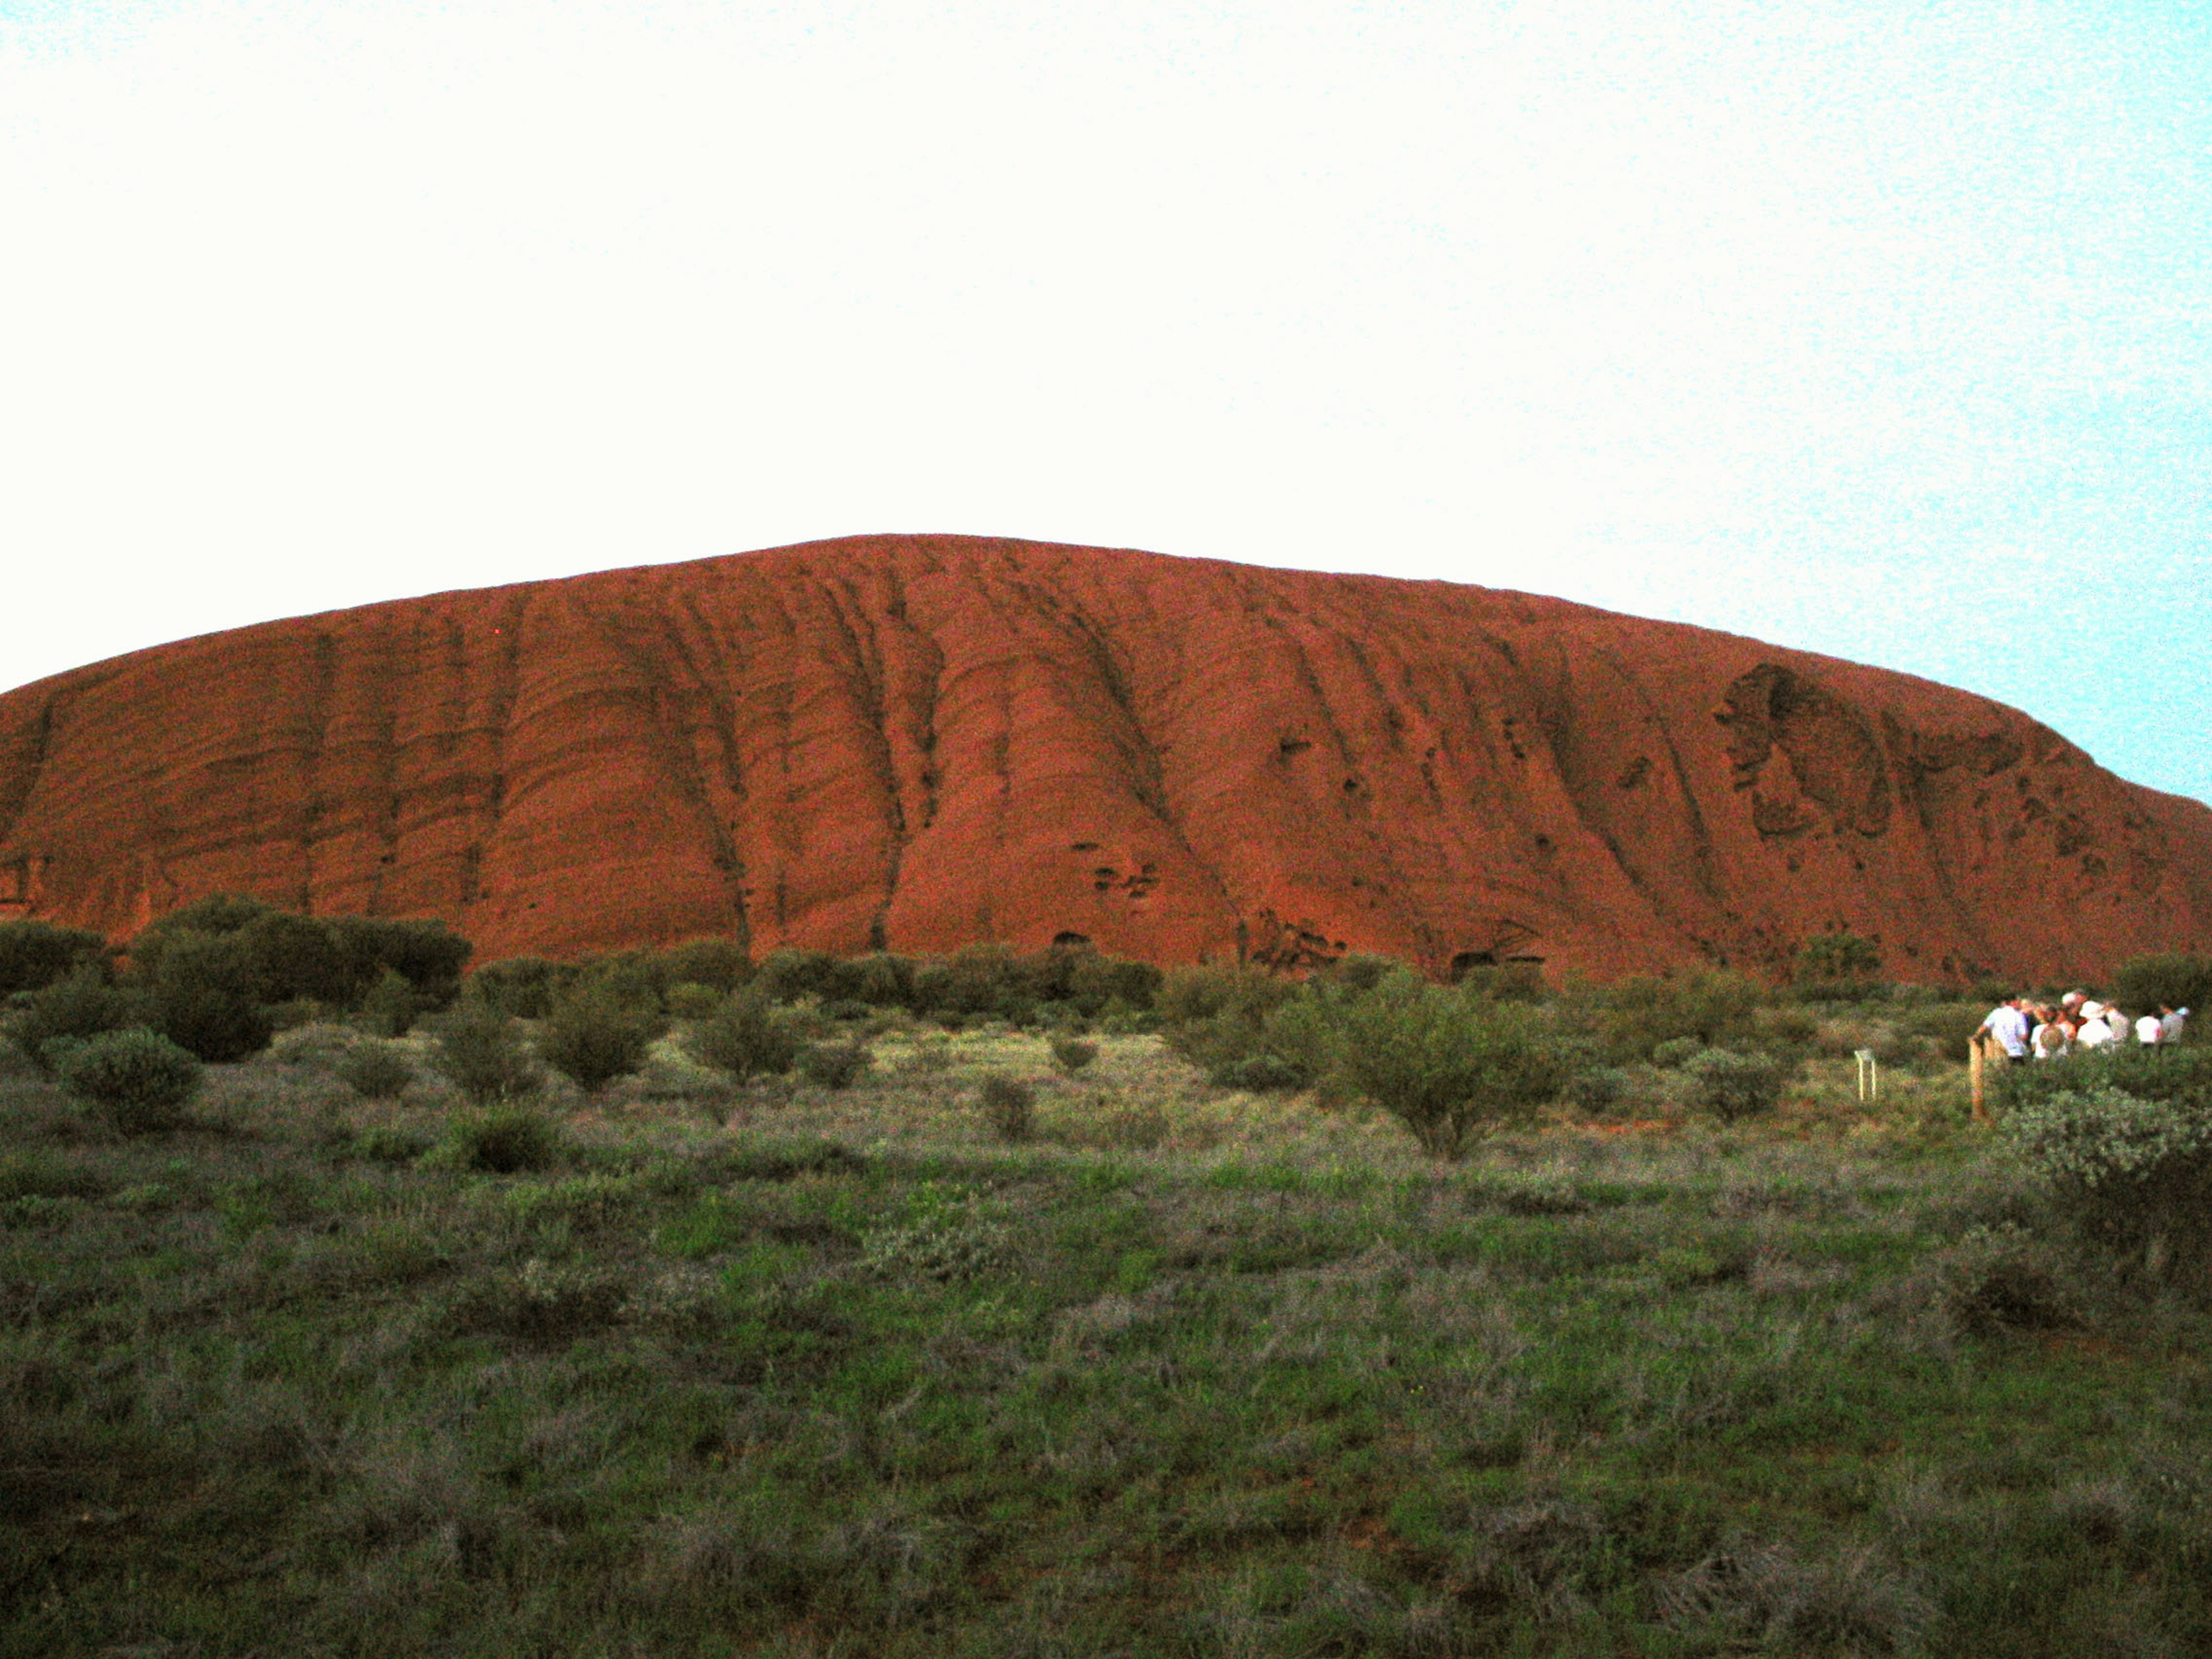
(920, 742)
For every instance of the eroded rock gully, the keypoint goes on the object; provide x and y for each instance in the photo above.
(919, 742)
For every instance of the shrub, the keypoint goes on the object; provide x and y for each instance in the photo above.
(1840, 963)
(1009, 1107)
(1214, 1017)
(34, 955)
(482, 1054)
(788, 974)
(1629, 1019)
(375, 1070)
(832, 1064)
(687, 1000)
(137, 1080)
(745, 1038)
(391, 1006)
(1447, 1068)
(524, 986)
(207, 988)
(2134, 1175)
(1097, 982)
(1730, 1085)
(719, 964)
(2182, 1077)
(1599, 1091)
(2174, 978)
(1676, 1051)
(1071, 1054)
(83, 1006)
(504, 1140)
(594, 1035)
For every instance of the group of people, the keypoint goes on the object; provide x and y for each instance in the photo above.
(2021, 1030)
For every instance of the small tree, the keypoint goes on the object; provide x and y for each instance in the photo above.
(595, 1036)
(137, 1080)
(1447, 1069)
(1071, 1054)
(483, 1055)
(745, 1038)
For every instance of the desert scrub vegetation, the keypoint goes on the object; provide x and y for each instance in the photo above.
(1171, 1369)
(1196, 1348)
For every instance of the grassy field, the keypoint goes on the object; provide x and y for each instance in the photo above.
(1190, 1372)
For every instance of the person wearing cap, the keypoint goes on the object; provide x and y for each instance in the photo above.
(2095, 1031)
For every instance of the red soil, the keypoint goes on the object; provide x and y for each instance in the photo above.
(920, 742)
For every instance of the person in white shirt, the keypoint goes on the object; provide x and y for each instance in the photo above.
(2094, 1032)
(2146, 1031)
(2007, 1024)
(2171, 1027)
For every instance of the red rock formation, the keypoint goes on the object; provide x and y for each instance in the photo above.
(918, 742)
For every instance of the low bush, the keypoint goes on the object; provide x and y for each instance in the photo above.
(832, 1064)
(1598, 1090)
(2133, 1174)
(594, 1035)
(1009, 1107)
(36, 954)
(1731, 1086)
(84, 1005)
(687, 1000)
(481, 1053)
(390, 1007)
(504, 1140)
(137, 1080)
(1071, 1054)
(745, 1038)
(1629, 1019)
(375, 1070)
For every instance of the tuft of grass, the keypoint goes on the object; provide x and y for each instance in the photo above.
(503, 1140)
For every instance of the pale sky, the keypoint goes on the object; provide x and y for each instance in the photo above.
(1881, 330)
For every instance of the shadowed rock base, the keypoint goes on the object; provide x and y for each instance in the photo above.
(920, 742)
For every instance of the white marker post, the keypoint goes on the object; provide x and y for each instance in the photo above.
(1870, 1076)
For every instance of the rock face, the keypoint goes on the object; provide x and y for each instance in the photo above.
(917, 743)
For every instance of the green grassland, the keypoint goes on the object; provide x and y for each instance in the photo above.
(785, 1370)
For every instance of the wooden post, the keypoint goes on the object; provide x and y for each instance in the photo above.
(1977, 1074)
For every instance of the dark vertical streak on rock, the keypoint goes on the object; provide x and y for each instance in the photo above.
(715, 688)
(379, 674)
(674, 757)
(848, 612)
(314, 734)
